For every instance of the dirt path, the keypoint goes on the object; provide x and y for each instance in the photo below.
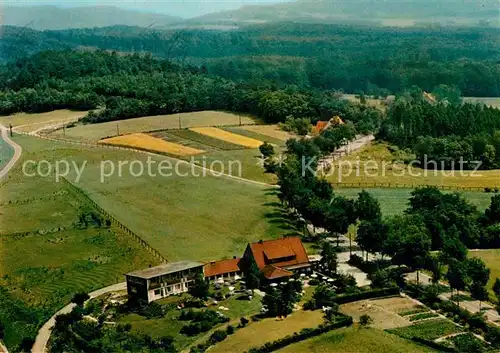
(353, 146)
(3, 349)
(40, 345)
(17, 151)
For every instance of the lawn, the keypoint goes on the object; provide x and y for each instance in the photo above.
(6, 153)
(352, 340)
(171, 325)
(22, 119)
(95, 132)
(375, 164)
(258, 333)
(183, 216)
(492, 259)
(395, 201)
(429, 330)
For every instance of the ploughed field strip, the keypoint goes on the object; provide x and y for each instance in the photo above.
(255, 135)
(270, 130)
(228, 136)
(210, 143)
(150, 143)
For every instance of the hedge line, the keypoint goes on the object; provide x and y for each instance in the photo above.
(302, 335)
(374, 293)
(432, 344)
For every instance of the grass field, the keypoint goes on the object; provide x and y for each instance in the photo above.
(183, 216)
(352, 340)
(44, 268)
(149, 143)
(34, 120)
(395, 201)
(378, 165)
(492, 259)
(6, 153)
(258, 333)
(95, 132)
(228, 136)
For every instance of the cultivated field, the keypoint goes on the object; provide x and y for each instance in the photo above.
(384, 312)
(228, 136)
(258, 333)
(149, 143)
(28, 122)
(429, 329)
(384, 168)
(95, 132)
(272, 131)
(352, 340)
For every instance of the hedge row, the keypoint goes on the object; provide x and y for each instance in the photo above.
(374, 293)
(302, 335)
(432, 344)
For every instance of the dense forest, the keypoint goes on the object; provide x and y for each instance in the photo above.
(370, 59)
(137, 85)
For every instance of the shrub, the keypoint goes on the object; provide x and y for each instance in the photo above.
(310, 305)
(217, 336)
(80, 298)
(314, 282)
(230, 330)
(365, 320)
(244, 321)
(488, 190)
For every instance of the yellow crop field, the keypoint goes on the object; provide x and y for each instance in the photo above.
(228, 136)
(150, 143)
(270, 130)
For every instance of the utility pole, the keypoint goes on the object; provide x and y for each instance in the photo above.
(10, 128)
(117, 130)
(239, 118)
(180, 125)
(64, 130)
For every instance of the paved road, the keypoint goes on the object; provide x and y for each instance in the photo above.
(40, 345)
(471, 306)
(17, 151)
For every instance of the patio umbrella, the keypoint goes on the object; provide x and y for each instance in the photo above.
(325, 278)
(220, 281)
(231, 288)
(331, 280)
(236, 278)
(314, 275)
(302, 275)
(273, 285)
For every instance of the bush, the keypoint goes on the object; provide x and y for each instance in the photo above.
(365, 320)
(314, 282)
(310, 305)
(230, 330)
(80, 298)
(217, 336)
(244, 321)
(488, 190)
(375, 293)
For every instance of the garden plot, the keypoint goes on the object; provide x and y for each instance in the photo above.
(384, 312)
(149, 143)
(228, 137)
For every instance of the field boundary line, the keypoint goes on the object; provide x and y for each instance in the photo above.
(410, 186)
(81, 143)
(115, 221)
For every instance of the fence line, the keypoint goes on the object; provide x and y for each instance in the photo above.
(115, 221)
(414, 186)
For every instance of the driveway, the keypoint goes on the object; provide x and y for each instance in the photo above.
(40, 345)
(17, 151)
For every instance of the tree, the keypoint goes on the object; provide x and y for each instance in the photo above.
(252, 275)
(368, 207)
(478, 292)
(492, 213)
(477, 271)
(436, 267)
(365, 320)
(457, 276)
(200, 287)
(340, 215)
(371, 235)
(80, 298)
(2, 331)
(453, 249)
(496, 288)
(323, 296)
(266, 149)
(329, 257)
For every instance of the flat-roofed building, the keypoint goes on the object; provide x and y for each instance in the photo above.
(161, 281)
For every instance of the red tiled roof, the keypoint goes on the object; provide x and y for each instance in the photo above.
(273, 272)
(279, 248)
(320, 126)
(217, 268)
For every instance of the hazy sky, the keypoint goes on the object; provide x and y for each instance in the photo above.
(184, 8)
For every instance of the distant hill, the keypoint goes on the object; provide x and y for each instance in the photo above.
(52, 17)
(385, 12)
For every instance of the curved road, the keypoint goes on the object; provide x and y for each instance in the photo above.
(17, 151)
(40, 345)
